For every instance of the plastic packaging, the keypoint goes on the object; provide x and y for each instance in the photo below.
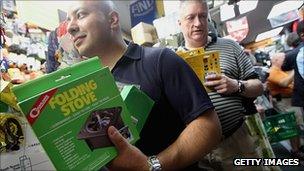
(11, 134)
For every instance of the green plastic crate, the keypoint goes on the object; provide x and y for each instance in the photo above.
(281, 126)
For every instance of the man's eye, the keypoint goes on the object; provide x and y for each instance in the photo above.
(189, 18)
(80, 15)
(203, 16)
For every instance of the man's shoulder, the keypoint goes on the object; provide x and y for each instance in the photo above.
(157, 53)
(146, 52)
(224, 44)
(224, 40)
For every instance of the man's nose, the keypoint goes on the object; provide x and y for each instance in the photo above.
(72, 27)
(197, 21)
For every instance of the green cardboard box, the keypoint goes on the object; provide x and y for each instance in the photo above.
(70, 111)
(138, 104)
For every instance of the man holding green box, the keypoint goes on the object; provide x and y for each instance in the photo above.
(182, 126)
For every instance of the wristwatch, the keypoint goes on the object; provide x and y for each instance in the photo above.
(241, 86)
(154, 164)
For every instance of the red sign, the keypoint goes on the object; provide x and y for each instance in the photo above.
(40, 105)
(238, 29)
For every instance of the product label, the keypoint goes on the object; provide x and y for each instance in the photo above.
(40, 105)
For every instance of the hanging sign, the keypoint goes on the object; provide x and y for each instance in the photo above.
(238, 29)
(143, 11)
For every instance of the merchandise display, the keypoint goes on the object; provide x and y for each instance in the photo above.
(68, 113)
(23, 52)
(7, 96)
(281, 126)
(30, 156)
(11, 134)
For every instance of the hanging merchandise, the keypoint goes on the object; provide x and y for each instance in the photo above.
(11, 135)
(67, 54)
(4, 65)
(2, 36)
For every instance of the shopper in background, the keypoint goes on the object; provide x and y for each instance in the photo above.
(300, 56)
(294, 60)
(280, 85)
(182, 125)
(237, 81)
(51, 62)
(293, 40)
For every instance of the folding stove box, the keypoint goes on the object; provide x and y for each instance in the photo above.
(70, 110)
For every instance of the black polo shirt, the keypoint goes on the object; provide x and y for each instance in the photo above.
(178, 94)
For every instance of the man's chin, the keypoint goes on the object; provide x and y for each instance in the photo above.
(82, 51)
(198, 38)
(198, 42)
(86, 54)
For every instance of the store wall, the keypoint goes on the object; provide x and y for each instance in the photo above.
(41, 13)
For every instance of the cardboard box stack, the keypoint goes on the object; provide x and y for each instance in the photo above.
(144, 34)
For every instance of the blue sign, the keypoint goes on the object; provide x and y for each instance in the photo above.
(143, 11)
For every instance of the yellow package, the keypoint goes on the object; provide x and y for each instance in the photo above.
(11, 134)
(6, 95)
(202, 63)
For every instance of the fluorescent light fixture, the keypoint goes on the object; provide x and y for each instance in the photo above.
(284, 7)
(268, 34)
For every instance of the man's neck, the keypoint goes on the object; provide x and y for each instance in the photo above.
(193, 47)
(112, 54)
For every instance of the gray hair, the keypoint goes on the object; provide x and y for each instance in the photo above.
(182, 4)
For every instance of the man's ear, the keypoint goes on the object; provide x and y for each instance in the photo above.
(302, 36)
(114, 19)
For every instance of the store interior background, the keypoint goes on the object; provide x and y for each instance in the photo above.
(265, 30)
(256, 11)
